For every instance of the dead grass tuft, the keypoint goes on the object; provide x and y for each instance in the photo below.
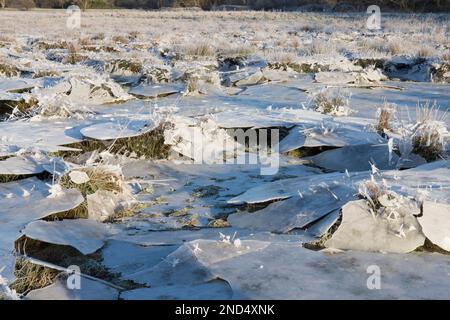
(198, 49)
(331, 102)
(80, 212)
(425, 52)
(385, 117)
(31, 276)
(429, 134)
(127, 212)
(100, 178)
(8, 70)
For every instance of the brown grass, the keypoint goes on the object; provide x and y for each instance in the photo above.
(385, 118)
(31, 276)
(101, 178)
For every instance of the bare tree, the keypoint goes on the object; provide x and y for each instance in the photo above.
(3, 3)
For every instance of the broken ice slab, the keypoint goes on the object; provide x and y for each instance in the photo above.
(128, 258)
(288, 271)
(321, 227)
(295, 212)
(180, 267)
(286, 188)
(362, 230)
(212, 290)
(356, 158)
(117, 130)
(86, 236)
(20, 166)
(89, 290)
(18, 84)
(435, 223)
(329, 133)
(27, 200)
(156, 90)
(45, 135)
(429, 181)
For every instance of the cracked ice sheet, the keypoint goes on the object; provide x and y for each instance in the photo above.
(248, 118)
(87, 236)
(20, 166)
(45, 135)
(27, 200)
(295, 212)
(90, 290)
(286, 188)
(288, 271)
(177, 237)
(233, 179)
(367, 101)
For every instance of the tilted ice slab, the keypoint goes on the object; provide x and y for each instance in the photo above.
(116, 130)
(356, 158)
(46, 135)
(128, 258)
(362, 230)
(283, 189)
(328, 133)
(18, 84)
(20, 166)
(295, 212)
(86, 236)
(27, 200)
(322, 226)
(435, 223)
(156, 90)
(23, 202)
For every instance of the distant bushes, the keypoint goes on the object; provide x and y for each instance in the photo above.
(307, 5)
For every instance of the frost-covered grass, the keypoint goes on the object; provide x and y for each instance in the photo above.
(197, 33)
(106, 178)
(430, 135)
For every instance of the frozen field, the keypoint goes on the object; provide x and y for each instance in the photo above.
(217, 155)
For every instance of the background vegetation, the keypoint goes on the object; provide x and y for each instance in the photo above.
(309, 5)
